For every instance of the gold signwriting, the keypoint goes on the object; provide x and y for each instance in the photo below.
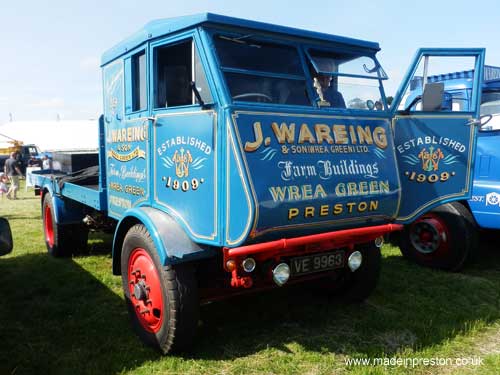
(325, 210)
(317, 134)
(136, 153)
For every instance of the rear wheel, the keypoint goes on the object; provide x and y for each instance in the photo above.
(443, 238)
(61, 240)
(162, 301)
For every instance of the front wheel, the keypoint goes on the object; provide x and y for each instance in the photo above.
(162, 301)
(443, 238)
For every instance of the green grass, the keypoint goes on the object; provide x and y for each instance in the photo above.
(67, 316)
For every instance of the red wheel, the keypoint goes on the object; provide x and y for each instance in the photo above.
(61, 240)
(48, 224)
(162, 300)
(442, 238)
(145, 290)
(430, 235)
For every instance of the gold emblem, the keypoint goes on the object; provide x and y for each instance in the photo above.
(430, 159)
(182, 161)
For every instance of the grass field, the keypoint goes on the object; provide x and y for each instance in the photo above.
(67, 316)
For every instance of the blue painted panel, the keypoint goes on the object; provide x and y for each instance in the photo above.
(317, 171)
(127, 155)
(186, 171)
(485, 200)
(88, 196)
(240, 208)
(485, 204)
(127, 149)
(435, 155)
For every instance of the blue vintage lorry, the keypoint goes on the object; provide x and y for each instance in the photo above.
(237, 155)
(447, 236)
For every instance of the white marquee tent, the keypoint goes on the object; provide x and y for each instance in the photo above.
(53, 135)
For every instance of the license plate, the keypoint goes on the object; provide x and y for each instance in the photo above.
(317, 263)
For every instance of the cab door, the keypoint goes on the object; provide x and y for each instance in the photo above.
(184, 134)
(435, 121)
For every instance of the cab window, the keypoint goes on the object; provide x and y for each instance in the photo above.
(261, 71)
(135, 84)
(439, 85)
(179, 74)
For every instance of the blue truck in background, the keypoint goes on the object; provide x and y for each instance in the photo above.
(447, 236)
(237, 156)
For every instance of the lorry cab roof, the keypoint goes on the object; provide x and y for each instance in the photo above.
(167, 26)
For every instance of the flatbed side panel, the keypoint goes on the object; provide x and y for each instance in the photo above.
(88, 196)
(45, 179)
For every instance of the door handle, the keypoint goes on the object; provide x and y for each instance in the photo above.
(153, 119)
(481, 121)
(473, 122)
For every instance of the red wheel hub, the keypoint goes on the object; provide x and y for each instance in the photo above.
(430, 235)
(145, 291)
(48, 226)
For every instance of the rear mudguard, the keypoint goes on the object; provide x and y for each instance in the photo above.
(170, 239)
(66, 211)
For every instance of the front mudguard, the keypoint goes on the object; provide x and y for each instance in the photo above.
(171, 241)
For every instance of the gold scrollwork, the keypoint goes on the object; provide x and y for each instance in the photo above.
(136, 153)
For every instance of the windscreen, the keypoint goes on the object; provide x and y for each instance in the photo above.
(352, 80)
(257, 71)
(265, 71)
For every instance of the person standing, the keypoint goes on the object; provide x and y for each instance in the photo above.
(12, 169)
(3, 184)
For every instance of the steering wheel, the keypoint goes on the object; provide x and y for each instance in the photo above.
(254, 95)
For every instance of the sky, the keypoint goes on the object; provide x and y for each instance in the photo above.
(50, 51)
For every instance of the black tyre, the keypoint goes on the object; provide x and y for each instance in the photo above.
(61, 240)
(163, 302)
(355, 287)
(443, 238)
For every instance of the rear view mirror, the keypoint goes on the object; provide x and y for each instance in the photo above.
(6, 242)
(484, 123)
(432, 99)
